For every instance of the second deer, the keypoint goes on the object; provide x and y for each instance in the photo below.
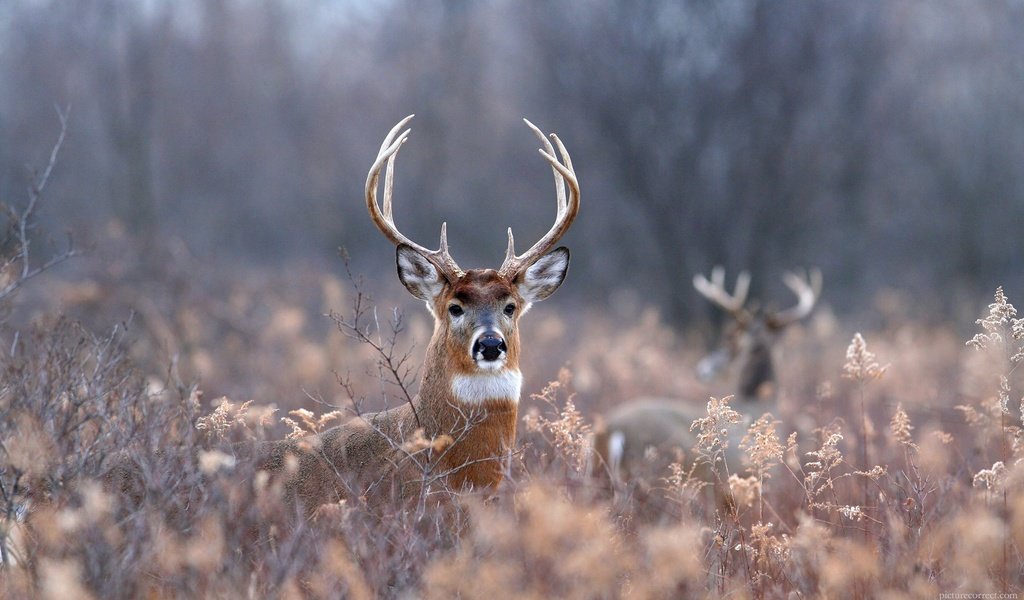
(634, 431)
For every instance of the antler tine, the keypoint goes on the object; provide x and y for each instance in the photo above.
(714, 290)
(391, 134)
(742, 287)
(807, 292)
(559, 182)
(389, 182)
(566, 210)
(384, 219)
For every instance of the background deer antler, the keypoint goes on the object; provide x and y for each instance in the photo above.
(714, 290)
(807, 291)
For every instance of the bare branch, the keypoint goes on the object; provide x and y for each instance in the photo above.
(22, 224)
(390, 362)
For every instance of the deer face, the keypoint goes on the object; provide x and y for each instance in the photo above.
(476, 312)
(476, 316)
(751, 333)
(746, 347)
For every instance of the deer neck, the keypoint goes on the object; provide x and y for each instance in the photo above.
(446, 385)
(477, 409)
(451, 389)
(757, 375)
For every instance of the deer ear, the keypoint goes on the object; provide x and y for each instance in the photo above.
(543, 277)
(418, 274)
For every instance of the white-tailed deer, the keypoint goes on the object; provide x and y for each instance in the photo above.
(460, 428)
(752, 333)
(632, 431)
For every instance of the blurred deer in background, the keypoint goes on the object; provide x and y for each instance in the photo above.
(632, 431)
(460, 429)
(752, 333)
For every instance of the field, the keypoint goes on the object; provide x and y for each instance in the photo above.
(227, 298)
(888, 470)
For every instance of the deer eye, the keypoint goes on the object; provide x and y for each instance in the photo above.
(455, 310)
(510, 309)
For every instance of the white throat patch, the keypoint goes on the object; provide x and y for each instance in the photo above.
(478, 387)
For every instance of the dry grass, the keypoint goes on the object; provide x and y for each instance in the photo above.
(119, 478)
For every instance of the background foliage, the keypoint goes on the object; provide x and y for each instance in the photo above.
(881, 142)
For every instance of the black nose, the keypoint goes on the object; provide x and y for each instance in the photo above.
(490, 346)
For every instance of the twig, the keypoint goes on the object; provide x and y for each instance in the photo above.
(22, 222)
(390, 364)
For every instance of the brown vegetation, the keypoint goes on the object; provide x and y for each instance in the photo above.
(904, 481)
(891, 466)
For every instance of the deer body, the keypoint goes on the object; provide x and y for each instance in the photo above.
(366, 456)
(631, 429)
(460, 429)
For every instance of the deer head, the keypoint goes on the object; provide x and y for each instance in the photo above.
(752, 332)
(476, 313)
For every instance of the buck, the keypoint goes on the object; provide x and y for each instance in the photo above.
(634, 431)
(460, 428)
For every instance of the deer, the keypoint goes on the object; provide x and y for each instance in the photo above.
(634, 431)
(460, 428)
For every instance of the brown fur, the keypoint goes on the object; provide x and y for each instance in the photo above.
(662, 424)
(657, 431)
(366, 457)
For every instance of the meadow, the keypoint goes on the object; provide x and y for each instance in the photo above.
(212, 159)
(891, 468)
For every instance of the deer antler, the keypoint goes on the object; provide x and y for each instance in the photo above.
(714, 290)
(807, 292)
(385, 221)
(564, 216)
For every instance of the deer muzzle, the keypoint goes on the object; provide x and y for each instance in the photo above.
(489, 347)
(711, 365)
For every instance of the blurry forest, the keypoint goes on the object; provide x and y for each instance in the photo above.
(883, 142)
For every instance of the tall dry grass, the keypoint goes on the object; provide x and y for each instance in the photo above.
(120, 472)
